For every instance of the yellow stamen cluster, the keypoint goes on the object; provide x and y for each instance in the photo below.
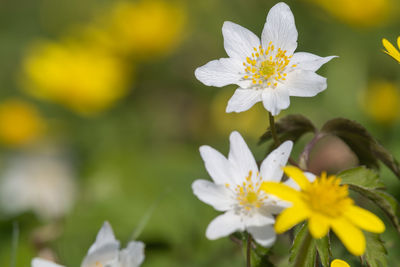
(267, 65)
(325, 195)
(248, 194)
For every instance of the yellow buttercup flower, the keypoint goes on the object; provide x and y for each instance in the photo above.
(391, 50)
(78, 76)
(325, 204)
(364, 13)
(381, 101)
(148, 27)
(339, 263)
(20, 123)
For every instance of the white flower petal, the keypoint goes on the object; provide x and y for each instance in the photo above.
(308, 61)
(224, 225)
(217, 196)
(263, 235)
(304, 83)
(104, 250)
(274, 100)
(241, 158)
(243, 99)
(220, 72)
(280, 29)
(37, 262)
(271, 167)
(132, 255)
(238, 41)
(291, 183)
(259, 219)
(104, 237)
(310, 176)
(219, 168)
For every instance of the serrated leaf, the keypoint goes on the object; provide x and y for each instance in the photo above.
(383, 200)
(324, 250)
(291, 127)
(299, 257)
(363, 144)
(361, 176)
(375, 252)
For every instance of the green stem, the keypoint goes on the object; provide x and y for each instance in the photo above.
(14, 244)
(302, 255)
(273, 129)
(248, 252)
(275, 136)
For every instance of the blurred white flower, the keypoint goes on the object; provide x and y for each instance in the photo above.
(266, 70)
(105, 252)
(39, 181)
(236, 190)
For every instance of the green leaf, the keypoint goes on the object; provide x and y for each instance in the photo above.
(291, 127)
(383, 200)
(363, 144)
(303, 251)
(375, 252)
(361, 176)
(324, 250)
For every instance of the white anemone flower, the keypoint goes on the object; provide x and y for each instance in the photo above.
(266, 70)
(105, 252)
(236, 190)
(42, 181)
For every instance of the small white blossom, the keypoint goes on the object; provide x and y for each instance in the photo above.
(236, 190)
(41, 181)
(105, 252)
(266, 70)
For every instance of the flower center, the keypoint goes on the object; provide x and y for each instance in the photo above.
(249, 194)
(267, 66)
(326, 195)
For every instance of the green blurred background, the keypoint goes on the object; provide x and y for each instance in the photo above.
(100, 106)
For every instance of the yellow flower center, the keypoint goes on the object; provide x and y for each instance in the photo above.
(249, 194)
(267, 66)
(325, 195)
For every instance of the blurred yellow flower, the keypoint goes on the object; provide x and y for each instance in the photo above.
(247, 122)
(20, 123)
(391, 50)
(363, 13)
(381, 102)
(325, 204)
(79, 76)
(147, 28)
(339, 263)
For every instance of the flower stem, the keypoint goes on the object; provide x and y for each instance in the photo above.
(275, 136)
(273, 129)
(248, 252)
(302, 255)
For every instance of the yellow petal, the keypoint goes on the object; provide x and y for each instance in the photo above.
(391, 50)
(339, 263)
(297, 175)
(290, 217)
(352, 237)
(398, 42)
(282, 191)
(365, 219)
(318, 225)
